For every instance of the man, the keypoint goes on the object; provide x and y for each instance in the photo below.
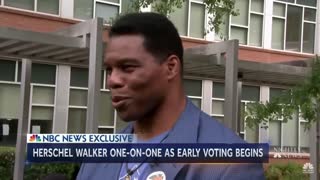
(144, 60)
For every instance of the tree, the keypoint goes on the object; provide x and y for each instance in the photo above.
(216, 9)
(304, 99)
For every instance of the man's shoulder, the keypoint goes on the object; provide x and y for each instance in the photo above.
(213, 131)
(224, 171)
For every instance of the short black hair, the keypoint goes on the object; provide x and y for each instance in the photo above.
(161, 38)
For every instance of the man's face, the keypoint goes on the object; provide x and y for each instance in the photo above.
(136, 79)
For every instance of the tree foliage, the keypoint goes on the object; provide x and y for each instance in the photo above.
(216, 9)
(303, 98)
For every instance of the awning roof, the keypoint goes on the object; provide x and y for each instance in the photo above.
(204, 61)
(48, 47)
(199, 61)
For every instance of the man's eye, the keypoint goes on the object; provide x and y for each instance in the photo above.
(128, 68)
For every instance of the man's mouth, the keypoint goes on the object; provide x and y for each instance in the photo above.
(118, 101)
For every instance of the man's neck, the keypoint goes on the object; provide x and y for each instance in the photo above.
(162, 120)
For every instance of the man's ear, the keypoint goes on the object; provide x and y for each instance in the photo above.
(172, 65)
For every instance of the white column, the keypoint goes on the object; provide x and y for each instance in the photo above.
(264, 133)
(206, 102)
(317, 33)
(267, 25)
(66, 8)
(60, 117)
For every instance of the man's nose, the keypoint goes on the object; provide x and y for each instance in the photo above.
(114, 80)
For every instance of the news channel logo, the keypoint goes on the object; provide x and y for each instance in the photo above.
(34, 138)
(308, 168)
(81, 138)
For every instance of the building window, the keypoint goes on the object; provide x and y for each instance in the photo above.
(42, 109)
(77, 120)
(289, 136)
(218, 101)
(48, 6)
(8, 132)
(126, 6)
(41, 73)
(43, 78)
(9, 109)
(42, 95)
(193, 89)
(293, 26)
(107, 9)
(303, 2)
(78, 109)
(108, 121)
(79, 77)
(7, 70)
(249, 94)
(224, 29)
(247, 27)
(106, 110)
(197, 20)
(41, 119)
(9, 103)
(22, 4)
(44, 6)
(239, 24)
(83, 9)
(78, 97)
(304, 138)
(190, 19)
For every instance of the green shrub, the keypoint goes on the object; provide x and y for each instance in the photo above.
(6, 163)
(38, 171)
(289, 171)
(33, 171)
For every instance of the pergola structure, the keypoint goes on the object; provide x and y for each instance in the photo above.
(220, 60)
(81, 44)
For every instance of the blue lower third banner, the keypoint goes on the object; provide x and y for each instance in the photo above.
(161, 153)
